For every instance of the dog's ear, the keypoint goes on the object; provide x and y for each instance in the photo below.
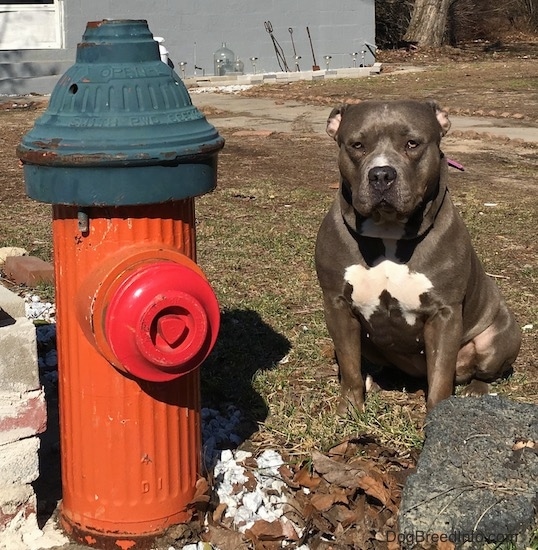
(442, 117)
(333, 122)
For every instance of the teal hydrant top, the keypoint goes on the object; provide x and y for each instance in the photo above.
(120, 127)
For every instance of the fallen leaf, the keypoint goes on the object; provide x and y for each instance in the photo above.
(445, 545)
(306, 479)
(250, 462)
(266, 530)
(323, 502)
(522, 444)
(250, 484)
(288, 530)
(219, 512)
(375, 488)
(199, 504)
(287, 476)
(321, 523)
(237, 488)
(336, 472)
(201, 494)
(342, 516)
(339, 450)
(225, 539)
(339, 494)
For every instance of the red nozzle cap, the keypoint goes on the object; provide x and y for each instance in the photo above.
(162, 321)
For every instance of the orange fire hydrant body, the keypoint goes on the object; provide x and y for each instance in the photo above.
(104, 413)
(136, 316)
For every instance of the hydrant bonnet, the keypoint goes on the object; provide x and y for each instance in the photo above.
(117, 108)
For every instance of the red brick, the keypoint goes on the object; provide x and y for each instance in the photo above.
(28, 270)
(22, 416)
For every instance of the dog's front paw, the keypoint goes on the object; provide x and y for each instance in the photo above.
(476, 388)
(351, 402)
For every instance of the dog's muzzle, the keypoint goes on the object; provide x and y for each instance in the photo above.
(381, 180)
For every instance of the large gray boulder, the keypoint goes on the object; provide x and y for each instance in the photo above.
(477, 477)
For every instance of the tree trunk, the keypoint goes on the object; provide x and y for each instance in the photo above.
(428, 23)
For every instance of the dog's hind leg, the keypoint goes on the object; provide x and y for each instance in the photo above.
(488, 355)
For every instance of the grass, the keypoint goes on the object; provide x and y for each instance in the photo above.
(513, 545)
(258, 254)
(256, 242)
(273, 357)
(256, 236)
(256, 232)
(27, 225)
(435, 79)
(391, 421)
(461, 87)
(45, 291)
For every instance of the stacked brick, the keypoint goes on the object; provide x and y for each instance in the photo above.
(22, 413)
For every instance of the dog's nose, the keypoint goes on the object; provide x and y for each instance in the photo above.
(381, 177)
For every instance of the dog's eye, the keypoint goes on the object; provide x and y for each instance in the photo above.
(412, 144)
(357, 145)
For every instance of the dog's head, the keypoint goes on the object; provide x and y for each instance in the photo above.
(390, 158)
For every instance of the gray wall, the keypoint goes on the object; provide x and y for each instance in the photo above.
(195, 29)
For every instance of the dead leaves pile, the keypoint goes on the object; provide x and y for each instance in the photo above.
(350, 496)
(347, 498)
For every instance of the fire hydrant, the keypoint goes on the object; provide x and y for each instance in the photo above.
(121, 153)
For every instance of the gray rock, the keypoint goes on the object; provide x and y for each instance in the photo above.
(477, 477)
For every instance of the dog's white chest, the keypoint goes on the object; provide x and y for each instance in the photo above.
(403, 285)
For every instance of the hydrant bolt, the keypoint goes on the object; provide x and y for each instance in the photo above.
(83, 222)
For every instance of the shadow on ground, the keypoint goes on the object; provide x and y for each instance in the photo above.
(48, 486)
(246, 345)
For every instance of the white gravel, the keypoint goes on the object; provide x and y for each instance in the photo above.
(265, 501)
(38, 310)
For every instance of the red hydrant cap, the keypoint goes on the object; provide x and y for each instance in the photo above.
(162, 321)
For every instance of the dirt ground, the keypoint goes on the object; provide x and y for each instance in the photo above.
(469, 80)
(497, 194)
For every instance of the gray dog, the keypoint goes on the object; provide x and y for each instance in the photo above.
(402, 284)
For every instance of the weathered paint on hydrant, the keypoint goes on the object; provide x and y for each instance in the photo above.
(121, 153)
